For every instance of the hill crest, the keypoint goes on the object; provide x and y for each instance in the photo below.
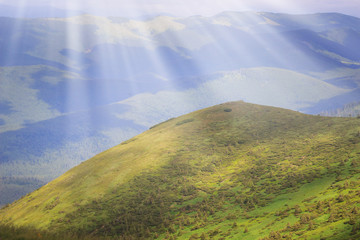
(220, 166)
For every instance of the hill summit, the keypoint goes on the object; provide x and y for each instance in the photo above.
(232, 171)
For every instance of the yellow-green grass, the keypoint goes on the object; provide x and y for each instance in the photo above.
(232, 171)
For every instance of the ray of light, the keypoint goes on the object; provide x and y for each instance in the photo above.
(80, 94)
(160, 65)
(17, 41)
(123, 59)
(11, 53)
(77, 95)
(278, 54)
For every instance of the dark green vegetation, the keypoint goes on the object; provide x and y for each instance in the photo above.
(25, 233)
(253, 172)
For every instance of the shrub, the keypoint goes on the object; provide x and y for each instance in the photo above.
(185, 121)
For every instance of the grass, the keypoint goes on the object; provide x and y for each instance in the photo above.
(251, 173)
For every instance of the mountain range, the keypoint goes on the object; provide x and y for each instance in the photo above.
(73, 87)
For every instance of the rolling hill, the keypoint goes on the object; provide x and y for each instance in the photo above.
(232, 171)
(89, 82)
(45, 149)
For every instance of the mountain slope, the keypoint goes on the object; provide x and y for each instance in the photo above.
(56, 73)
(46, 149)
(235, 170)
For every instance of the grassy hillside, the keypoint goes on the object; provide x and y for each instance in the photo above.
(233, 171)
(57, 71)
(43, 150)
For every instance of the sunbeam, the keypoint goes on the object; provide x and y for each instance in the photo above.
(11, 53)
(110, 81)
(78, 96)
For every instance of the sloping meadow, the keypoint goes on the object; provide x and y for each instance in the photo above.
(232, 171)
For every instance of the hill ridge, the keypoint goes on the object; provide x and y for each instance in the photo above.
(211, 174)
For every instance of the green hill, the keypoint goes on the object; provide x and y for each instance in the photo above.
(232, 171)
(58, 73)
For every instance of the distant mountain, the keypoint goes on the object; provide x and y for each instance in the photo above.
(89, 82)
(349, 110)
(234, 171)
